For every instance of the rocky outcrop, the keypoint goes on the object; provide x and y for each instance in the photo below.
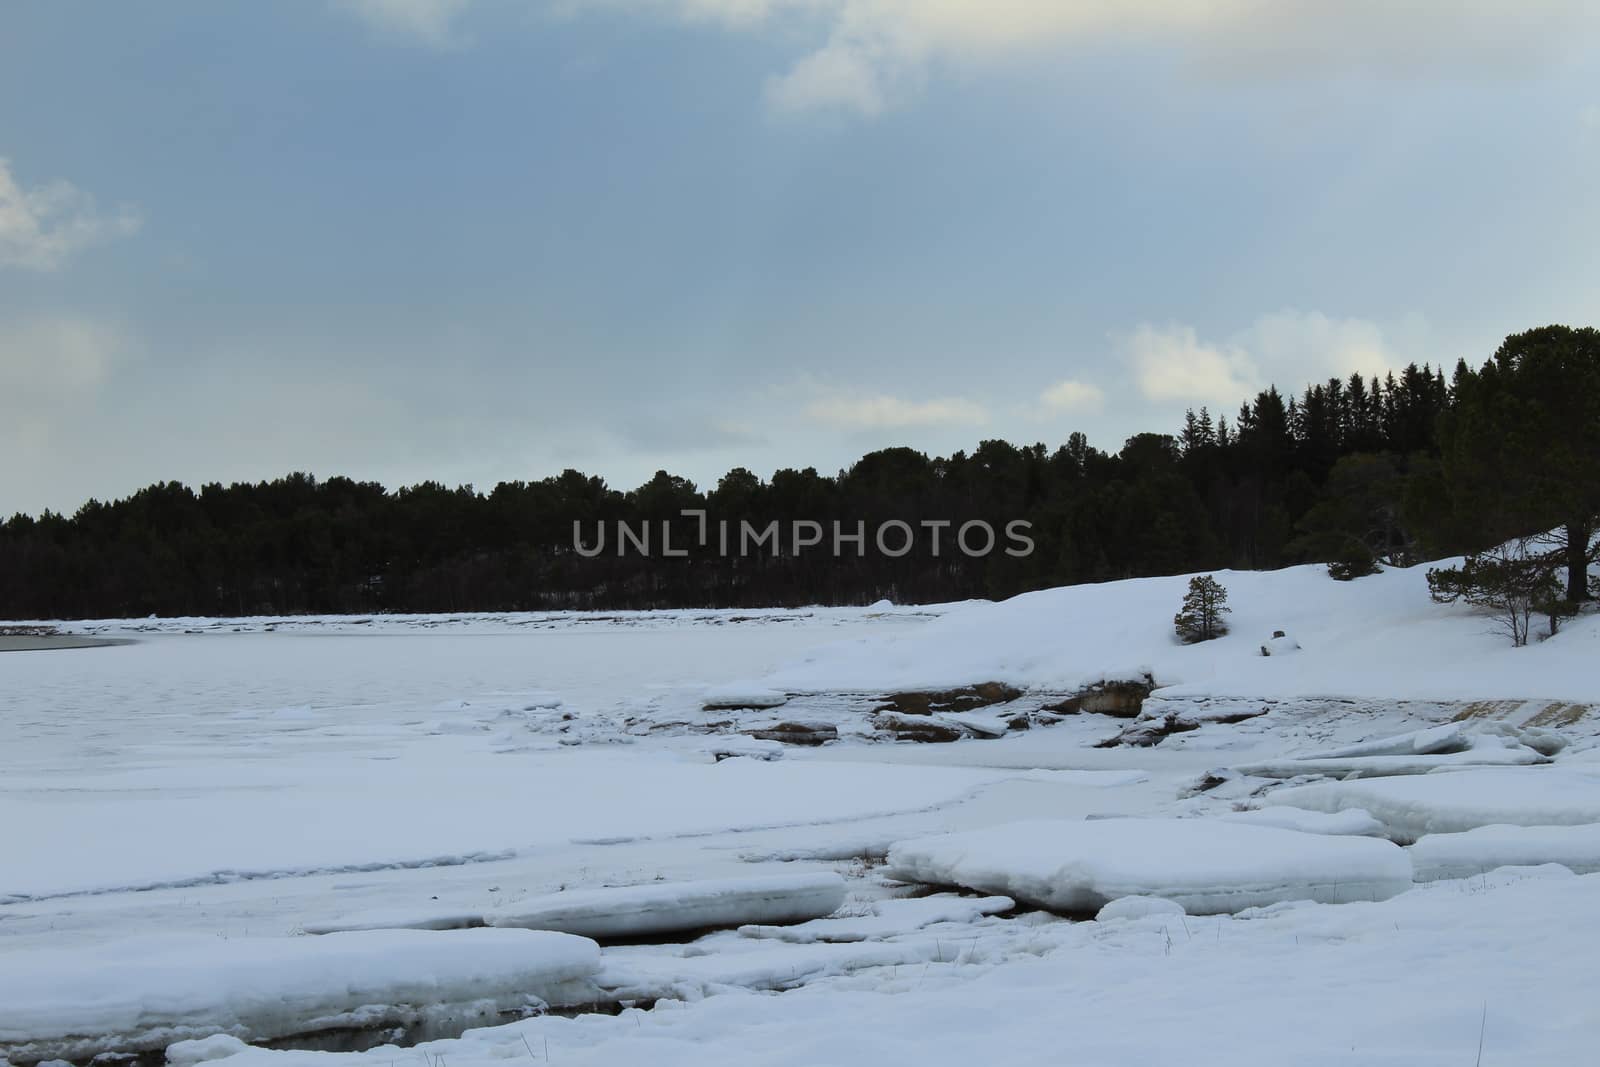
(963, 698)
(1154, 729)
(1148, 733)
(1120, 699)
(918, 727)
(797, 733)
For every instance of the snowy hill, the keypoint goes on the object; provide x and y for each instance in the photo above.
(1379, 637)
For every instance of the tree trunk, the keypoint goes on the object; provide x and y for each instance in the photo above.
(1578, 535)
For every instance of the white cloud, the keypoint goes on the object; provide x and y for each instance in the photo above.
(1171, 363)
(40, 228)
(1314, 341)
(833, 77)
(873, 52)
(891, 412)
(428, 22)
(1288, 348)
(1074, 396)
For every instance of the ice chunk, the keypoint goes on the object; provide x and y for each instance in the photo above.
(203, 1050)
(1450, 737)
(146, 993)
(1485, 750)
(730, 746)
(677, 907)
(1351, 823)
(1138, 907)
(1208, 866)
(888, 918)
(742, 696)
(1473, 852)
(1539, 738)
(1411, 807)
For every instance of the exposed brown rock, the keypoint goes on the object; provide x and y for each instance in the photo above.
(964, 698)
(1123, 700)
(797, 733)
(917, 727)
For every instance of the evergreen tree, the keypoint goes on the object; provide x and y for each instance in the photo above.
(1348, 471)
(1201, 617)
(1520, 451)
(1512, 581)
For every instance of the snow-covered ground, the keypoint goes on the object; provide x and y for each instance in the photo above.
(185, 818)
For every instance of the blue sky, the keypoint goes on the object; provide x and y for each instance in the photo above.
(473, 240)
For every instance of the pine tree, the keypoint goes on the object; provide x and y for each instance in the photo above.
(1203, 608)
(1518, 450)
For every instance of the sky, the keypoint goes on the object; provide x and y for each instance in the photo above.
(483, 240)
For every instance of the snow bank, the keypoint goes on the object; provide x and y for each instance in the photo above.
(1468, 854)
(1412, 807)
(1207, 866)
(146, 993)
(677, 907)
(1379, 638)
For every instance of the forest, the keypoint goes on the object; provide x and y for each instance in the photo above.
(1353, 472)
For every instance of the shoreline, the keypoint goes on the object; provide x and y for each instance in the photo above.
(52, 642)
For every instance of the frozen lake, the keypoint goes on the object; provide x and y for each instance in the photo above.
(207, 797)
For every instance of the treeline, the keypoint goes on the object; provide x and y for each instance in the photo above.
(1330, 475)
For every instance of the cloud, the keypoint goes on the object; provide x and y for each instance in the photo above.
(1171, 363)
(48, 366)
(873, 53)
(1075, 396)
(1288, 348)
(40, 228)
(1315, 341)
(427, 22)
(834, 77)
(891, 412)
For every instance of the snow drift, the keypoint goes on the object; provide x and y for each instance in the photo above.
(1205, 866)
(1447, 803)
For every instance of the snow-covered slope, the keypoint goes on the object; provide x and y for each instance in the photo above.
(1376, 637)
